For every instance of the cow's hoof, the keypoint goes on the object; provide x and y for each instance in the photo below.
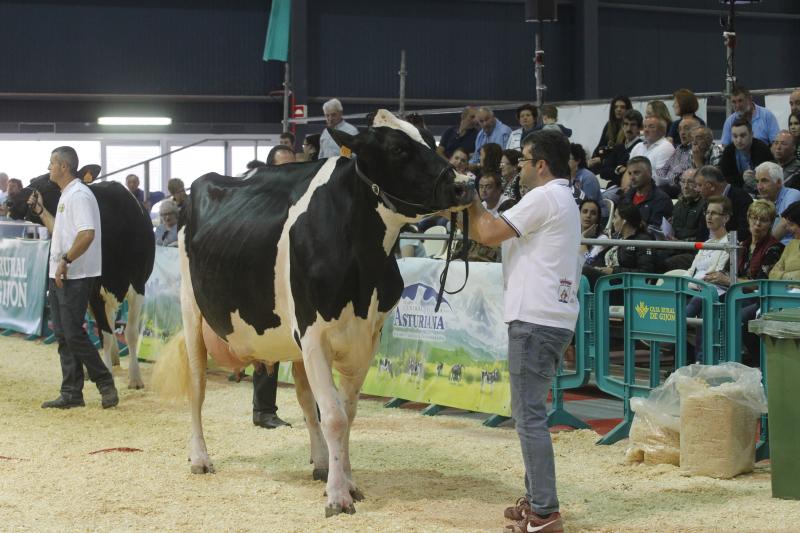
(334, 509)
(135, 385)
(202, 469)
(320, 474)
(357, 495)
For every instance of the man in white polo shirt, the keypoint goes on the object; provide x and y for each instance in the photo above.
(75, 265)
(540, 237)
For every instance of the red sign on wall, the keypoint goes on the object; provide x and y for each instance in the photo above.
(299, 111)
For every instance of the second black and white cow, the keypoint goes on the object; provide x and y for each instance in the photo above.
(128, 252)
(295, 264)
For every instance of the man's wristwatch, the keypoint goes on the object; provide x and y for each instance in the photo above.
(66, 259)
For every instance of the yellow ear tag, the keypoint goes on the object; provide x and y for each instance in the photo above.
(345, 151)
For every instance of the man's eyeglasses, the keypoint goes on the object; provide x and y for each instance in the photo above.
(524, 159)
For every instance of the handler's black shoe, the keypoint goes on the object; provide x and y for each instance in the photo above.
(109, 397)
(63, 403)
(268, 420)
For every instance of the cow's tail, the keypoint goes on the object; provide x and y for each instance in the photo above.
(171, 377)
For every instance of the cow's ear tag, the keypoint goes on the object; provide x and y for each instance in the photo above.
(345, 151)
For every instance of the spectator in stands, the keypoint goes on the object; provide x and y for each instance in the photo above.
(788, 266)
(681, 159)
(628, 224)
(3, 188)
(492, 131)
(582, 176)
(311, 147)
(167, 231)
(177, 193)
(794, 129)
(333, 118)
(769, 181)
(685, 105)
(132, 182)
(704, 150)
(14, 187)
(655, 147)
(280, 155)
(490, 188)
(550, 120)
(490, 156)
(657, 108)
(710, 265)
(460, 161)
(761, 251)
(764, 125)
(653, 203)
(783, 152)
(288, 139)
(613, 166)
(794, 101)
(461, 136)
(743, 155)
(590, 229)
(710, 182)
(613, 133)
(687, 215)
(527, 115)
(509, 171)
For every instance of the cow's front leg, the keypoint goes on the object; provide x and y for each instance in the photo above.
(349, 387)
(334, 425)
(135, 304)
(319, 450)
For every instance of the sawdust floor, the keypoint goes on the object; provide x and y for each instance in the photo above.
(418, 473)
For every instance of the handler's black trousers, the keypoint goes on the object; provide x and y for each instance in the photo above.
(265, 389)
(67, 309)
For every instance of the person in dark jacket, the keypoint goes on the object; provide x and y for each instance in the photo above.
(612, 131)
(613, 166)
(687, 222)
(653, 203)
(743, 155)
(710, 182)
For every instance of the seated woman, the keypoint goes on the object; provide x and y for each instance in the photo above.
(490, 156)
(788, 266)
(685, 105)
(612, 131)
(628, 224)
(590, 229)
(509, 171)
(581, 176)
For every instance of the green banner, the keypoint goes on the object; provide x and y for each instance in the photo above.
(23, 282)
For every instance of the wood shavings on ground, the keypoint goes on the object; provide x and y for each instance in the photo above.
(419, 473)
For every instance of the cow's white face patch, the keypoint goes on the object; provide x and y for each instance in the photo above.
(387, 119)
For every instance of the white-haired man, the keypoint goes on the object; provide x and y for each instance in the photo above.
(784, 153)
(656, 147)
(769, 182)
(333, 118)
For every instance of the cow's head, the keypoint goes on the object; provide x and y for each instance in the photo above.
(17, 204)
(404, 166)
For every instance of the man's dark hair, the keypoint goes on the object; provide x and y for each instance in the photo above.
(578, 154)
(550, 111)
(529, 107)
(175, 185)
(741, 121)
(552, 147)
(15, 180)
(631, 214)
(710, 173)
(632, 115)
(741, 89)
(274, 152)
(290, 136)
(498, 181)
(641, 160)
(68, 156)
(792, 213)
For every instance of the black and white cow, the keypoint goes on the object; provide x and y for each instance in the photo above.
(295, 264)
(128, 252)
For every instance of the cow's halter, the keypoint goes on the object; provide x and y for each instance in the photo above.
(387, 198)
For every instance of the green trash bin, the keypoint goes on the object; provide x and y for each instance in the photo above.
(781, 333)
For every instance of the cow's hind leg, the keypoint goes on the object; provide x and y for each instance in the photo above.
(135, 304)
(319, 450)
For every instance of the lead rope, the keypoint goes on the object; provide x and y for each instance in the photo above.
(464, 255)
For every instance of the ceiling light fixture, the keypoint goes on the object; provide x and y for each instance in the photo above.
(134, 121)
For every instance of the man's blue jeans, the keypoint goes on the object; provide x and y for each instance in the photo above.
(534, 352)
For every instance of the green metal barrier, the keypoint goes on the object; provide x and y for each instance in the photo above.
(584, 362)
(770, 296)
(655, 313)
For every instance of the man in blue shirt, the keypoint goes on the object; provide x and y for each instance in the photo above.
(764, 124)
(769, 181)
(492, 131)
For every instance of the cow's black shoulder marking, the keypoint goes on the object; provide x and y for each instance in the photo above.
(232, 232)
